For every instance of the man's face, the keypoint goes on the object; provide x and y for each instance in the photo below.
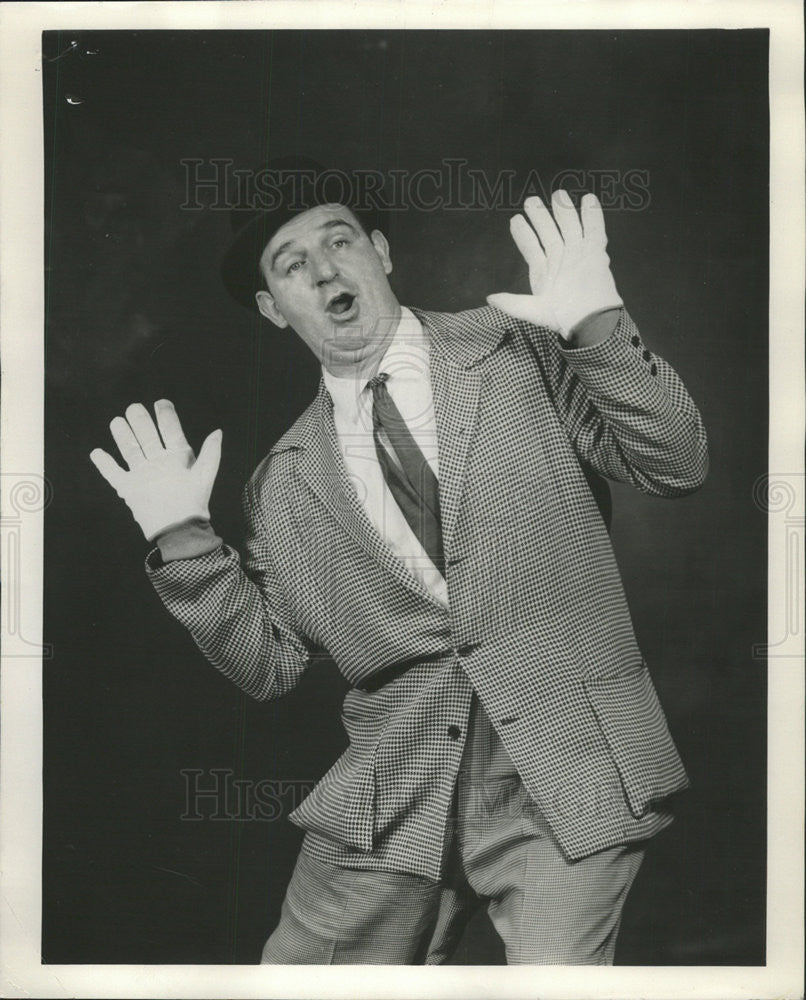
(328, 280)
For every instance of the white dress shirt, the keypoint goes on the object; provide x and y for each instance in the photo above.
(409, 385)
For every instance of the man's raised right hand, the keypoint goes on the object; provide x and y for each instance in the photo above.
(165, 485)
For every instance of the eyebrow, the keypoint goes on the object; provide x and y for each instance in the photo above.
(330, 224)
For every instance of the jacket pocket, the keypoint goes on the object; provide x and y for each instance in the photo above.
(634, 726)
(342, 805)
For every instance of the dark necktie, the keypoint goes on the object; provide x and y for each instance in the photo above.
(411, 479)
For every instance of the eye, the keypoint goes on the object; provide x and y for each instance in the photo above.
(297, 264)
(341, 241)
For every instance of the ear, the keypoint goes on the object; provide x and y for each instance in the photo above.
(268, 308)
(381, 245)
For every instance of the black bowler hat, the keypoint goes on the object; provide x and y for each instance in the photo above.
(274, 193)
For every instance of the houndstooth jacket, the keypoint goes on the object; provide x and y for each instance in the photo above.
(538, 626)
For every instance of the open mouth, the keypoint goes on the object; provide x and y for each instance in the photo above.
(340, 304)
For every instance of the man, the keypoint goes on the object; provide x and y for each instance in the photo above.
(430, 521)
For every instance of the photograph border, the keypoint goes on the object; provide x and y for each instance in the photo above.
(24, 494)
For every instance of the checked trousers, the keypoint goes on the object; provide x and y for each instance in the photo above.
(501, 854)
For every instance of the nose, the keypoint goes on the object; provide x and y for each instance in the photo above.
(324, 270)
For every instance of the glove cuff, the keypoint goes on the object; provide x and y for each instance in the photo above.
(188, 540)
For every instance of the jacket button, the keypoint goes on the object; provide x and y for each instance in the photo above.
(454, 732)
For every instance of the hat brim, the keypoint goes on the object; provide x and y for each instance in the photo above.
(240, 265)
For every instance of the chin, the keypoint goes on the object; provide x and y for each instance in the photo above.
(345, 356)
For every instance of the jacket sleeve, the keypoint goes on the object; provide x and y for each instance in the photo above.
(237, 615)
(625, 409)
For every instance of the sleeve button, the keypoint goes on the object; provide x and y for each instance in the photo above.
(647, 356)
(636, 341)
(654, 369)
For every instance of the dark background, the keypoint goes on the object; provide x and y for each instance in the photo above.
(134, 311)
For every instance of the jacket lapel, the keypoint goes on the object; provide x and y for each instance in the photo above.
(456, 400)
(459, 344)
(321, 465)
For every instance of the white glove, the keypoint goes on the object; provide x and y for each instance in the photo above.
(569, 270)
(166, 484)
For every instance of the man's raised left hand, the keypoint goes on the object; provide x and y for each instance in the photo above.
(569, 270)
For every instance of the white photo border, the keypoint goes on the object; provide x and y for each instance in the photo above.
(21, 437)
